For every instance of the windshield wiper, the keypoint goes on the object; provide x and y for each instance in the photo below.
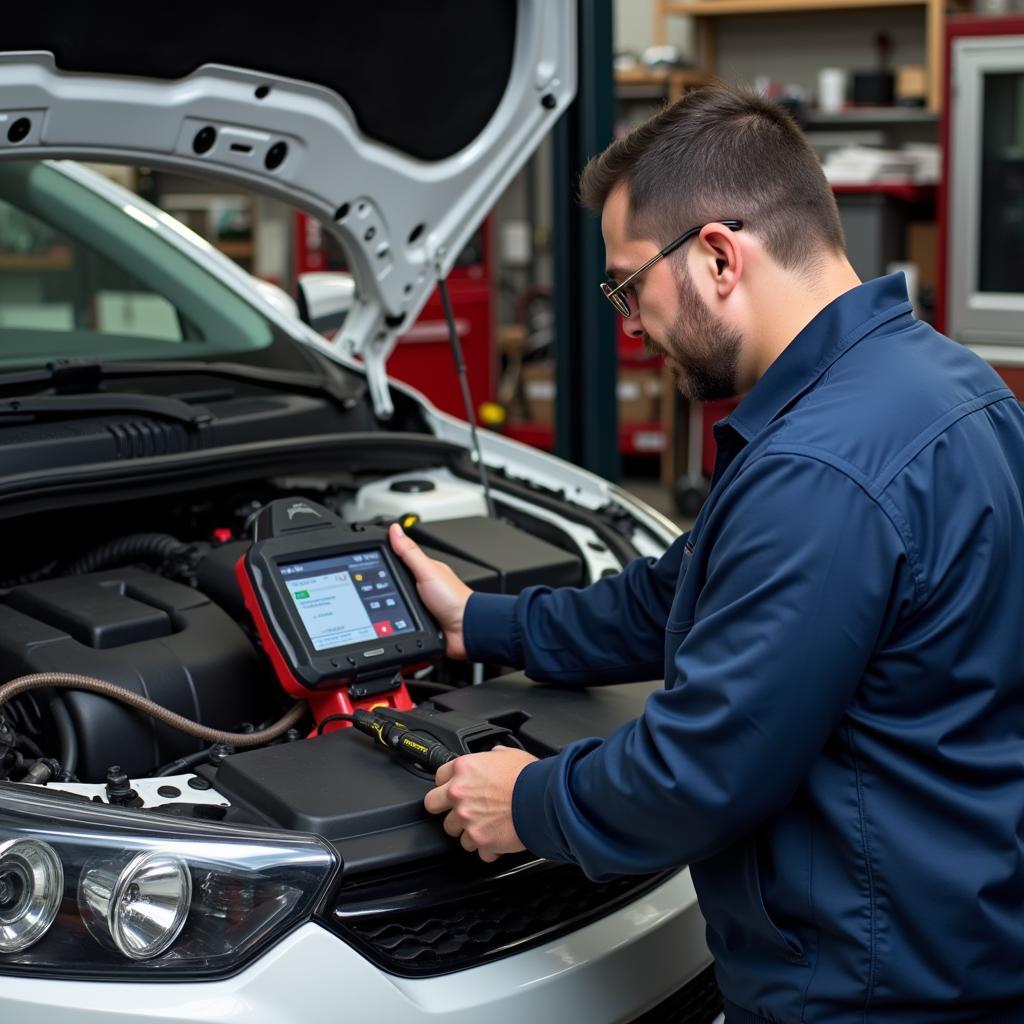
(55, 406)
(69, 377)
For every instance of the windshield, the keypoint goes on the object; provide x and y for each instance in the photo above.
(83, 278)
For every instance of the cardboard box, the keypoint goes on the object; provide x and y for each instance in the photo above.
(922, 250)
(539, 391)
(639, 394)
(912, 83)
(638, 391)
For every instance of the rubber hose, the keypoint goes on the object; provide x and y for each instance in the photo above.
(155, 548)
(33, 576)
(72, 681)
(183, 764)
(30, 745)
(66, 731)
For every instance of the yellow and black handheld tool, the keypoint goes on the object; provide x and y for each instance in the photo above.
(427, 737)
(419, 747)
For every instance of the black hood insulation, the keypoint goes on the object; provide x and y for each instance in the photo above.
(424, 76)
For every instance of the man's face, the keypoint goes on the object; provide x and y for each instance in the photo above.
(668, 311)
(702, 352)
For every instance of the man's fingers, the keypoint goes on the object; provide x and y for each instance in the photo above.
(437, 800)
(444, 773)
(467, 844)
(452, 825)
(409, 552)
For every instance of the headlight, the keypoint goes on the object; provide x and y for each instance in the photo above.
(91, 891)
(141, 908)
(31, 887)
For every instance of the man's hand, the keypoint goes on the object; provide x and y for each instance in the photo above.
(476, 791)
(444, 594)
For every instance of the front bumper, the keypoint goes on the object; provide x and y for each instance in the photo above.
(610, 971)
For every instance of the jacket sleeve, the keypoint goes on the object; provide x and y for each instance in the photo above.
(610, 632)
(802, 580)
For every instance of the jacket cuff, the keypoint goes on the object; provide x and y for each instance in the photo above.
(490, 631)
(529, 814)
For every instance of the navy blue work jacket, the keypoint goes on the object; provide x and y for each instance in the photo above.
(838, 752)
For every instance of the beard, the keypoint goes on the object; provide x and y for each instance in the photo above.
(704, 354)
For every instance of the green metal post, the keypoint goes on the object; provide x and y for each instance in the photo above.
(586, 358)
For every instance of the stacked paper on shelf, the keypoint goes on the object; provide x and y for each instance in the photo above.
(865, 165)
(929, 161)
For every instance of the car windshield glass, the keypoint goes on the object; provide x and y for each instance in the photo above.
(87, 278)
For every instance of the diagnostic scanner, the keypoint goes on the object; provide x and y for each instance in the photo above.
(336, 611)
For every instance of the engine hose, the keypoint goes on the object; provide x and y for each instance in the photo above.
(183, 764)
(33, 576)
(72, 681)
(66, 731)
(155, 548)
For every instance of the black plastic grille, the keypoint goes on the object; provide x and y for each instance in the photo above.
(697, 1002)
(429, 932)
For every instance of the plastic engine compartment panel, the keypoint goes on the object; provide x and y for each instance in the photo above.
(519, 558)
(355, 793)
(151, 635)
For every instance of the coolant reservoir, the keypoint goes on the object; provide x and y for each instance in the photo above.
(429, 496)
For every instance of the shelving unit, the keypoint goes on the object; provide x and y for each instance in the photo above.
(206, 212)
(642, 83)
(706, 12)
(866, 117)
(36, 261)
(702, 7)
(240, 249)
(634, 438)
(906, 191)
(638, 434)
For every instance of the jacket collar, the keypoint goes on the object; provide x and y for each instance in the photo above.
(836, 329)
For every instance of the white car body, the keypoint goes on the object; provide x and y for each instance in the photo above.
(312, 977)
(616, 967)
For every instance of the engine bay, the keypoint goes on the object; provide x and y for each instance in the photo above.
(160, 613)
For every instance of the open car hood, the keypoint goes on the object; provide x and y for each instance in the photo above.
(397, 126)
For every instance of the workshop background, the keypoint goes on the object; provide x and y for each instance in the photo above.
(923, 186)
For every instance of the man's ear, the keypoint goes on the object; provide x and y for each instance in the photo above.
(722, 255)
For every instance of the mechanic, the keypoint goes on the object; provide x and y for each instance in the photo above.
(838, 752)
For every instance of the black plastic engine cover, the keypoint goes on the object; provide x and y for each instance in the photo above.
(148, 634)
(349, 789)
(519, 558)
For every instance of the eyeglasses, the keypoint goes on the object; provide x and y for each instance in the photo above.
(615, 293)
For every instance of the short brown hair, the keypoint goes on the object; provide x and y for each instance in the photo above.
(721, 152)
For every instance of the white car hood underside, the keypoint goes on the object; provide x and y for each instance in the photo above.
(372, 196)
